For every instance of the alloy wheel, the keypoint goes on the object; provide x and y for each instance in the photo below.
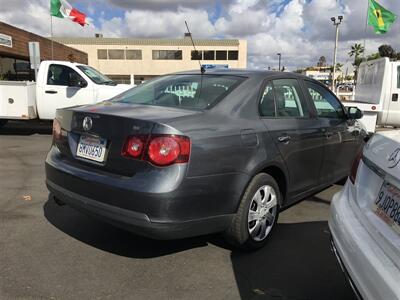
(262, 213)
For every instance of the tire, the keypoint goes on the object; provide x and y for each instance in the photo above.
(261, 201)
(3, 123)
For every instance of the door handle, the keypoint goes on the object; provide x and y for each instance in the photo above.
(284, 139)
(395, 97)
(50, 92)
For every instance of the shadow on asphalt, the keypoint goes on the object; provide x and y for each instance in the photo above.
(117, 241)
(26, 128)
(297, 262)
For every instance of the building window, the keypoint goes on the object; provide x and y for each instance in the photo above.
(197, 55)
(209, 55)
(120, 79)
(116, 54)
(233, 55)
(133, 54)
(167, 54)
(101, 54)
(220, 55)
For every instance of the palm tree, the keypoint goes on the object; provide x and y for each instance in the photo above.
(355, 51)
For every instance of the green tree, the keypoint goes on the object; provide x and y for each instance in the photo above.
(387, 51)
(339, 67)
(321, 62)
(373, 56)
(355, 51)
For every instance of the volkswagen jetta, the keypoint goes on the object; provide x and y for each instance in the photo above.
(190, 154)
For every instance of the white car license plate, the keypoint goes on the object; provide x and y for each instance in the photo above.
(92, 148)
(387, 205)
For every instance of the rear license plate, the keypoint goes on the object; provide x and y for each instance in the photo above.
(387, 205)
(92, 148)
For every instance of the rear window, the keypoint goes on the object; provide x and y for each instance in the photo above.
(186, 91)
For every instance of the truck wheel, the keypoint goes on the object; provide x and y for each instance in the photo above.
(257, 214)
(3, 123)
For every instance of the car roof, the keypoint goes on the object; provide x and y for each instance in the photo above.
(244, 72)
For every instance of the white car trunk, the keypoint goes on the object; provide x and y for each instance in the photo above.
(378, 172)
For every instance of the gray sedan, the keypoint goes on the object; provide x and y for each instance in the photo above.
(190, 154)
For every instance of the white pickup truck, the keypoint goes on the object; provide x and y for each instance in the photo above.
(377, 93)
(59, 84)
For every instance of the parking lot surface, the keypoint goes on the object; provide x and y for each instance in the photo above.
(53, 252)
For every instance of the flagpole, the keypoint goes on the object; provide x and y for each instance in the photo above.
(51, 34)
(365, 30)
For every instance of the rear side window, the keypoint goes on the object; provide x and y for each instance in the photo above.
(282, 98)
(326, 104)
(187, 91)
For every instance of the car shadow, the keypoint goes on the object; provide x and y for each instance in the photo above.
(114, 240)
(297, 263)
(26, 128)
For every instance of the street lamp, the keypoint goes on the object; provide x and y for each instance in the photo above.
(280, 55)
(336, 24)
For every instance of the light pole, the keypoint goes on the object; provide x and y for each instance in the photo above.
(336, 24)
(280, 55)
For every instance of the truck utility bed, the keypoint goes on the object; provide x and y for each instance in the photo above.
(18, 100)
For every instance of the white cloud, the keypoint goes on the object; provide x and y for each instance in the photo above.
(299, 29)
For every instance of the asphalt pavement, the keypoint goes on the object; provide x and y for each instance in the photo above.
(53, 252)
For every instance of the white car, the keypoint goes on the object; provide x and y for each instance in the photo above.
(365, 220)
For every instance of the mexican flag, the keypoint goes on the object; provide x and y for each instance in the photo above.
(62, 9)
(379, 17)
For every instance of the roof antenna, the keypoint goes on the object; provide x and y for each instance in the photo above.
(202, 69)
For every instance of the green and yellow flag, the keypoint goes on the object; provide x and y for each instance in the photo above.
(379, 17)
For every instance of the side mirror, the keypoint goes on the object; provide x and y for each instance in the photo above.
(354, 113)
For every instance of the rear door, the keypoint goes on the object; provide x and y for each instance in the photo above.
(297, 134)
(342, 135)
(58, 92)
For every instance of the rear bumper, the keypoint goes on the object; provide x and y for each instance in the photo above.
(139, 223)
(195, 207)
(372, 273)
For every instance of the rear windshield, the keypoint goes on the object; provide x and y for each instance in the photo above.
(186, 91)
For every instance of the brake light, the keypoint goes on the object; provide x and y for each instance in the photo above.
(56, 129)
(160, 150)
(354, 167)
(134, 147)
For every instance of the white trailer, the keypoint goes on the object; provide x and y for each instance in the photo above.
(59, 84)
(377, 93)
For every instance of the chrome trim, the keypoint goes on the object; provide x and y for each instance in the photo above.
(344, 270)
(377, 170)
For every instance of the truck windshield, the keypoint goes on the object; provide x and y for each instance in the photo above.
(186, 91)
(95, 75)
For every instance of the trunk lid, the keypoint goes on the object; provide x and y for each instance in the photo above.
(112, 123)
(378, 172)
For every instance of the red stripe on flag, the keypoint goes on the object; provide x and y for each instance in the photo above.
(78, 17)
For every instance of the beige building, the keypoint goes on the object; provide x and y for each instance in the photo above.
(127, 59)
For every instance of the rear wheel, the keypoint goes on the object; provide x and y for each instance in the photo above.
(257, 214)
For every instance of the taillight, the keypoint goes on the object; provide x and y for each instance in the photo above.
(354, 167)
(56, 129)
(166, 150)
(160, 150)
(134, 147)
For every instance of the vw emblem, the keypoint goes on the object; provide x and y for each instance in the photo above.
(394, 158)
(87, 123)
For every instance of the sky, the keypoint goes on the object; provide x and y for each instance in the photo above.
(299, 29)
